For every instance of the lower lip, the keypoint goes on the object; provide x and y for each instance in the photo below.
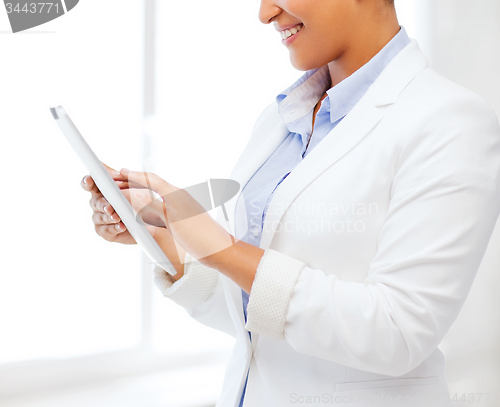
(290, 39)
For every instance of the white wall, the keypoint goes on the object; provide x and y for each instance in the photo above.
(462, 40)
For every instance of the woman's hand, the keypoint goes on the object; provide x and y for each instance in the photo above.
(191, 227)
(108, 224)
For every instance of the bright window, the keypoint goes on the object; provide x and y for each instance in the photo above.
(64, 291)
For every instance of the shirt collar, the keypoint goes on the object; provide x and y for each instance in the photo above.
(300, 98)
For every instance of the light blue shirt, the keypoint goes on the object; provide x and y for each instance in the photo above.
(296, 107)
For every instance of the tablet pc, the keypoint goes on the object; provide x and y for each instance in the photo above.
(111, 191)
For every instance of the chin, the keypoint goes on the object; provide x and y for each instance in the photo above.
(305, 64)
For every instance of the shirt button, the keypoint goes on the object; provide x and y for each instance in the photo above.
(255, 232)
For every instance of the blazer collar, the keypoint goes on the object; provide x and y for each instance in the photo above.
(364, 116)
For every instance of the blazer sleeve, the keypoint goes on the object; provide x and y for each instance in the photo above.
(200, 292)
(444, 204)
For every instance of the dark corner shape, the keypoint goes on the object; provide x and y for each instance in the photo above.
(54, 113)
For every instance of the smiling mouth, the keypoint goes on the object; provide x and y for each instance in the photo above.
(288, 33)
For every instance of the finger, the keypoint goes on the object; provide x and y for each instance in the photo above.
(89, 185)
(108, 167)
(109, 232)
(149, 180)
(129, 185)
(113, 216)
(100, 204)
(101, 218)
(181, 205)
(114, 173)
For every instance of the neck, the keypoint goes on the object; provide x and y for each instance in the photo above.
(364, 47)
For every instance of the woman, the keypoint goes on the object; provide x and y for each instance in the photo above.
(369, 191)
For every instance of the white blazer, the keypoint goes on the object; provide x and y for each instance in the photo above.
(371, 246)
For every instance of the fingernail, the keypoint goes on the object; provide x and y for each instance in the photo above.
(118, 226)
(105, 209)
(86, 179)
(115, 173)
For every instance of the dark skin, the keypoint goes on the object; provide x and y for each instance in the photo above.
(343, 34)
(316, 108)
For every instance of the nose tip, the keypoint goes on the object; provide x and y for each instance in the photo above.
(268, 11)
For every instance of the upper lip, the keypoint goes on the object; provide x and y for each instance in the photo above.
(285, 27)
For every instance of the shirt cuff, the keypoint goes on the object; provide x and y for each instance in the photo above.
(271, 292)
(193, 288)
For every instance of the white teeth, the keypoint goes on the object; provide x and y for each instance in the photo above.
(292, 31)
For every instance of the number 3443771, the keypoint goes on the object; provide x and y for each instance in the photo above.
(32, 7)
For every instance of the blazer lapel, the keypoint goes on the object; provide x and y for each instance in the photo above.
(349, 132)
(367, 113)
